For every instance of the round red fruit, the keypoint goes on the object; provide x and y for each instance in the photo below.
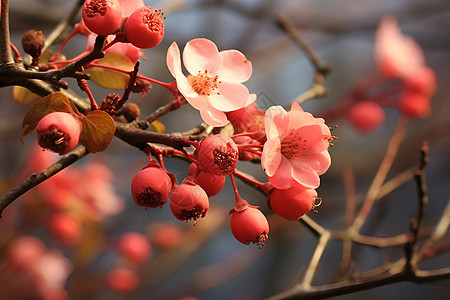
(135, 247)
(144, 28)
(58, 132)
(249, 226)
(65, 228)
(366, 116)
(212, 184)
(151, 187)
(189, 202)
(218, 155)
(122, 280)
(102, 17)
(414, 105)
(293, 202)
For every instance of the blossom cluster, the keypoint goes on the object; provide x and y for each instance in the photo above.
(291, 145)
(403, 80)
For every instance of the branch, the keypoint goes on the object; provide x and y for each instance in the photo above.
(382, 172)
(61, 27)
(35, 179)
(320, 65)
(5, 48)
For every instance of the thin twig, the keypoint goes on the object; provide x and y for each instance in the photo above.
(35, 179)
(381, 174)
(320, 65)
(61, 27)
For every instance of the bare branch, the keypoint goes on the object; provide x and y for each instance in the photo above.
(35, 179)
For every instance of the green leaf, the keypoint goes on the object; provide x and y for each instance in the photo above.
(23, 95)
(111, 79)
(98, 131)
(52, 103)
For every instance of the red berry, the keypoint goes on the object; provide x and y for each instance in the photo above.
(102, 17)
(122, 280)
(135, 247)
(24, 252)
(59, 132)
(366, 116)
(151, 187)
(249, 226)
(293, 202)
(212, 184)
(65, 228)
(144, 28)
(189, 201)
(166, 235)
(422, 82)
(218, 155)
(414, 106)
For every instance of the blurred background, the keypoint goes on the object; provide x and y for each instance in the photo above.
(209, 263)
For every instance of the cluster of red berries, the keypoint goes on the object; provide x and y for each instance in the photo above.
(144, 28)
(215, 157)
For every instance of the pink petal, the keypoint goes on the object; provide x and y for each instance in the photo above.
(308, 139)
(214, 117)
(199, 102)
(397, 55)
(235, 67)
(307, 170)
(200, 55)
(229, 96)
(173, 60)
(296, 107)
(271, 156)
(250, 100)
(276, 122)
(283, 179)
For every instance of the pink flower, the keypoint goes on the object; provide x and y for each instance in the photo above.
(296, 147)
(215, 84)
(397, 55)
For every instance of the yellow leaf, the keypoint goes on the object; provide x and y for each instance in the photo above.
(23, 95)
(98, 131)
(111, 79)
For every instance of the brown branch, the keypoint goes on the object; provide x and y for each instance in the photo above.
(381, 174)
(163, 110)
(34, 179)
(61, 27)
(5, 48)
(347, 287)
(320, 65)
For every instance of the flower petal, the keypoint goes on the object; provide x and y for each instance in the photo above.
(200, 55)
(214, 117)
(307, 170)
(173, 59)
(250, 100)
(282, 179)
(229, 96)
(296, 107)
(308, 139)
(271, 156)
(235, 67)
(276, 122)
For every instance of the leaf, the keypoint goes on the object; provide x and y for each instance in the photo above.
(23, 95)
(54, 102)
(111, 79)
(98, 131)
(157, 126)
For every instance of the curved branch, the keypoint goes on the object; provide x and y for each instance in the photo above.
(35, 179)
